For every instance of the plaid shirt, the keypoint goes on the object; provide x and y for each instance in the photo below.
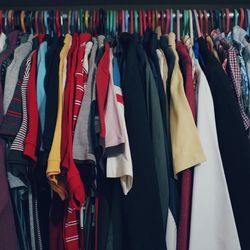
(233, 70)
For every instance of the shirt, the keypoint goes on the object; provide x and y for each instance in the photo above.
(41, 72)
(13, 70)
(210, 203)
(53, 167)
(182, 125)
(119, 165)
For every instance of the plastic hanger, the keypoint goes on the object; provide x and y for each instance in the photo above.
(171, 25)
(168, 20)
(76, 21)
(140, 23)
(236, 17)
(242, 17)
(136, 20)
(149, 19)
(162, 21)
(110, 22)
(62, 23)
(227, 29)
(131, 23)
(114, 22)
(153, 19)
(69, 21)
(35, 21)
(197, 25)
(45, 23)
(156, 18)
(9, 20)
(80, 24)
(52, 23)
(178, 25)
(1, 21)
(6, 21)
(126, 21)
(191, 29)
(86, 19)
(248, 19)
(123, 20)
(58, 26)
(144, 20)
(185, 22)
(206, 22)
(72, 23)
(201, 21)
(22, 17)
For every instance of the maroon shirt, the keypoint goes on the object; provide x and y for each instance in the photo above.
(186, 176)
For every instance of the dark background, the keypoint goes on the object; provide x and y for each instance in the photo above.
(36, 4)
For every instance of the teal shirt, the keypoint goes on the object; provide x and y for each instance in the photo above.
(41, 71)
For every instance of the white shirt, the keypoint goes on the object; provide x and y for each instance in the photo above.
(212, 220)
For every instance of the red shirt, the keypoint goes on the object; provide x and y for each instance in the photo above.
(102, 83)
(30, 143)
(80, 76)
(186, 175)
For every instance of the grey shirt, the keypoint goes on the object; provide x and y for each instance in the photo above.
(12, 72)
(82, 143)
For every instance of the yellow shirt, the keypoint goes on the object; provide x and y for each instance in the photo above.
(53, 167)
(186, 146)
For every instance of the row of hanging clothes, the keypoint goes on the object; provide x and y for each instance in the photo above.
(117, 133)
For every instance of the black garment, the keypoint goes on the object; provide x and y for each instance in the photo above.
(51, 81)
(233, 142)
(143, 225)
(43, 196)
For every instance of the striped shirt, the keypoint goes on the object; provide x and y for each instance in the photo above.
(81, 74)
(18, 143)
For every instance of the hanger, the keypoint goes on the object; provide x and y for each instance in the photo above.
(149, 19)
(1, 21)
(126, 21)
(140, 23)
(248, 19)
(162, 21)
(69, 21)
(156, 18)
(58, 26)
(153, 19)
(45, 23)
(22, 17)
(242, 17)
(227, 28)
(9, 20)
(185, 22)
(168, 21)
(72, 27)
(62, 23)
(191, 29)
(144, 20)
(114, 22)
(86, 19)
(110, 22)
(131, 23)
(197, 25)
(80, 24)
(6, 21)
(236, 17)
(205, 14)
(201, 17)
(51, 23)
(171, 21)
(178, 25)
(136, 21)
